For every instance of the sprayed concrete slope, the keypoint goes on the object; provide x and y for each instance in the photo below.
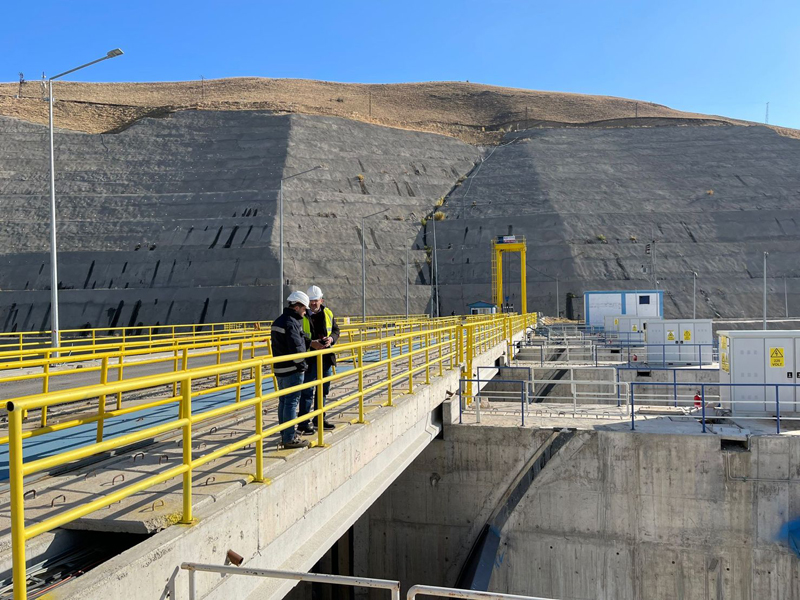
(174, 220)
(588, 200)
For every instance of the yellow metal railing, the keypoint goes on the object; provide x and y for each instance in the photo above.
(19, 342)
(443, 344)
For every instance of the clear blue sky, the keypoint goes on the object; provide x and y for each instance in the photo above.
(727, 57)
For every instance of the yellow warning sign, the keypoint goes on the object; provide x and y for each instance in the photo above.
(687, 335)
(670, 335)
(723, 362)
(634, 328)
(776, 358)
(616, 321)
(723, 342)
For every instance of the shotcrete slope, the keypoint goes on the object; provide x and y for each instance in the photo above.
(589, 200)
(173, 220)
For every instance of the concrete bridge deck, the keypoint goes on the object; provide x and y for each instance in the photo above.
(310, 495)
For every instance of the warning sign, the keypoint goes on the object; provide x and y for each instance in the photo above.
(634, 328)
(723, 342)
(616, 321)
(670, 335)
(723, 362)
(776, 357)
(687, 335)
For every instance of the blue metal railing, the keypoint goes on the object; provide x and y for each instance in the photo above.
(702, 401)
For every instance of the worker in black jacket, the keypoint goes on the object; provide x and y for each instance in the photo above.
(319, 326)
(287, 339)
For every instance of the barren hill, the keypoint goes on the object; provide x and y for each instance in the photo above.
(475, 113)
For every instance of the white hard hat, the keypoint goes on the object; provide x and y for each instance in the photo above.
(298, 297)
(314, 293)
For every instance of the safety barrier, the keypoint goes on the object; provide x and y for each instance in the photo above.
(702, 402)
(364, 582)
(347, 580)
(448, 346)
(20, 342)
(586, 399)
(588, 352)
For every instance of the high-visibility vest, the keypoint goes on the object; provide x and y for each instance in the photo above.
(328, 323)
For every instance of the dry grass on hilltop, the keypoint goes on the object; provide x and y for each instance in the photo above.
(472, 112)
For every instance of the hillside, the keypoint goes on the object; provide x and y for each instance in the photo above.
(474, 113)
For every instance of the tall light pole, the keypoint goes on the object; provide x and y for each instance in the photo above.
(766, 254)
(694, 295)
(364, 263)
(434, 275)
(409, 240)
(785, 296)
(280, 234)
(558, 308)
(54, 336)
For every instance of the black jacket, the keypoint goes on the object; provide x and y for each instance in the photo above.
(319, 331)
(287, 338)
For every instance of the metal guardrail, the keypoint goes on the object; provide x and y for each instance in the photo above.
(348, 580)
(702, 401)
(447, 346)
(364, 582)
(588, 352)
(443, 592)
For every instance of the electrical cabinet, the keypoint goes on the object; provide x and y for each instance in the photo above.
(759, 358)
(679, 341)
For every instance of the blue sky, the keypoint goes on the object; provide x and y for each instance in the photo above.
(727, 57)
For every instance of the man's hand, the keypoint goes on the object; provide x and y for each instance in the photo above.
(315, 345)
(327, 341)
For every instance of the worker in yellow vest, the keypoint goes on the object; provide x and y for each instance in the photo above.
(319, 325)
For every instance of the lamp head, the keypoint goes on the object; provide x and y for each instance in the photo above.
(113, 53)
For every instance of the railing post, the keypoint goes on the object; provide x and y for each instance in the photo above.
(777, 409)
(259, 392)
(470, 354)
(239, 373)
(439, 351)
(175, 370)
(411, 362)
(17, 505)
(703, 404)
(219, 358)
(186, 413)
(360, 384)
(45, 389)
(320, 404)
(119, 378)
(389, 369)
(428, 357)
(101, 407)
(632, 384)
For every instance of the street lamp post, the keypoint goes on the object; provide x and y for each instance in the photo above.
(766, 254)
(280, 231)
(364, 263)
(694, 295)
(558, 302)
(54, 335)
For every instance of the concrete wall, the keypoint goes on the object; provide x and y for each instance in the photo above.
(615, 516)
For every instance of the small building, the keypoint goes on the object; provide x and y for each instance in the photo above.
(635, 303)
(482, 308)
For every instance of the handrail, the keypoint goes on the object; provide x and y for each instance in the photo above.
(447, 346)
(445, 592)
(368, 582)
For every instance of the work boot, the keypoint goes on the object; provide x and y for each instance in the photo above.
(306, 429)
(327, 425)
(295, 443)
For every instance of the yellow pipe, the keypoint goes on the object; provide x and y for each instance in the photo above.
(186, 416)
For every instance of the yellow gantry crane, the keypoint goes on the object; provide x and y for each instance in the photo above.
(500, 245)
